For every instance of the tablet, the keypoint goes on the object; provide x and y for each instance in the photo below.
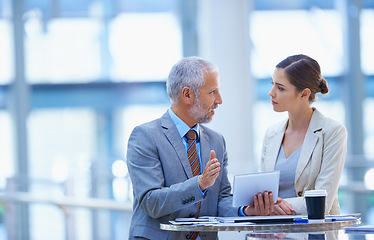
(246, 186)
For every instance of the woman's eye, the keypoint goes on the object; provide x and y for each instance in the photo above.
(277, 86)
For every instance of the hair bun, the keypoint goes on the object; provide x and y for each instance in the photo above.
(323, 86)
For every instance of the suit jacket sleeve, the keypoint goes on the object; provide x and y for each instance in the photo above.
(145, 168)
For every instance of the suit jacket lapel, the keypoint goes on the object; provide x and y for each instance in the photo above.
(171, 133)
(311, 138)
(204, 149)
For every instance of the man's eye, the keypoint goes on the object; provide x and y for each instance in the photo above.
(281, 89)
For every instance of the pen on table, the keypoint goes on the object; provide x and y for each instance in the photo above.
(330, 219)
(305, 220)
(300, 220)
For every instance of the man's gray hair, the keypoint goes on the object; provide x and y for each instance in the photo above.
(188, 72)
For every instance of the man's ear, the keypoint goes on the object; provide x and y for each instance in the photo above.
(187, 96)
(305, 93)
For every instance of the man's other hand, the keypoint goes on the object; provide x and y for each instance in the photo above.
(210, 173)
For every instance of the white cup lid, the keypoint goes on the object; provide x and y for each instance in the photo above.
(315, 193)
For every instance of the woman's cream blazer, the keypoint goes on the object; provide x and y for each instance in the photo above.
(321, 159)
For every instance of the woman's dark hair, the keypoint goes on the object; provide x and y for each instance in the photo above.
(304, 72)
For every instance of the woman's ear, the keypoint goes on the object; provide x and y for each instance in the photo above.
(305, 93)
(187, 96)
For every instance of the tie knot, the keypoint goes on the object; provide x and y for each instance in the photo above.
(191, 134)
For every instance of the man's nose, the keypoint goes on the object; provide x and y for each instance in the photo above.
(219, 99)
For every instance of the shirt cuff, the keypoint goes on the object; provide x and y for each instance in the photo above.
(201, 192)
(241, 211)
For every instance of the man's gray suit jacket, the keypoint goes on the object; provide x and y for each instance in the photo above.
(163, 186)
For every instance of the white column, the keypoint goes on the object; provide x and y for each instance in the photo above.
(224, 40)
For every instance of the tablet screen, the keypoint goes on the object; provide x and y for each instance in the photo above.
(246, 186)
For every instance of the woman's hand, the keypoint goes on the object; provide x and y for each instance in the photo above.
(263, 205)
(282, 208)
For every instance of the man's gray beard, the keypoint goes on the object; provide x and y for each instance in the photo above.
(196, 112)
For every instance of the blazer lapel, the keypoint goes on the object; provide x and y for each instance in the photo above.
(309, 144)
(311, 139)
(171, 133)
(275, 141)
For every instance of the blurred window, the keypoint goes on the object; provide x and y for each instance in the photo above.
(6, 52)
(6, 148)
(144, 46)
(367, 64)
(95, 43)
(62, 143)
(42, 215)
(66, 51)
(278, 34)
(367, 40)
(368, 118)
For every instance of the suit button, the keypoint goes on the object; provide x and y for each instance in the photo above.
(300, 194)
(187, 236)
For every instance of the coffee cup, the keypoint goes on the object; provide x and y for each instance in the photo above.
(316, 236)
(315, 205)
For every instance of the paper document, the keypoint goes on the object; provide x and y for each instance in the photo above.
(343, 217)
(246, 186)
(200, 223)
(200, 219)
(208, 221)
(203, 220)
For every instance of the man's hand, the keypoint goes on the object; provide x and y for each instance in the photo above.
(282, 208)
(263, 205)
(210, 173)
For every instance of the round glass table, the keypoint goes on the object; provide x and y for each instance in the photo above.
(324, 235)
(264, 228)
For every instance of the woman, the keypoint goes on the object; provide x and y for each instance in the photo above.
(308, 148)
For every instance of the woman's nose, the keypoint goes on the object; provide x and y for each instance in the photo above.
(271, 93)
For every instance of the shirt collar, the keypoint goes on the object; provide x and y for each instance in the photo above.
(182, 127)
